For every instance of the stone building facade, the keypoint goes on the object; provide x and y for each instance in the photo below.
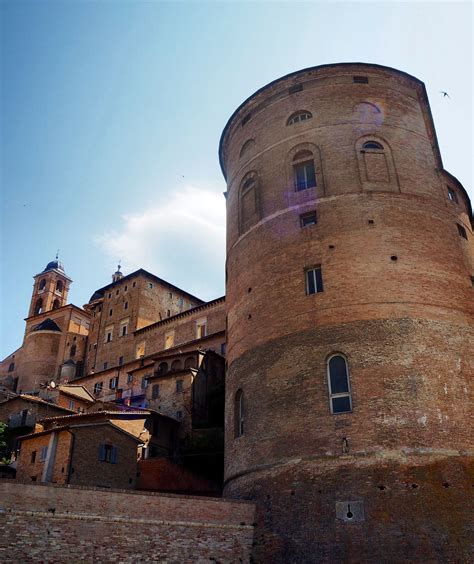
(350, 304)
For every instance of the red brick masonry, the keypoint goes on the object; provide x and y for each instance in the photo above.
(65, 524)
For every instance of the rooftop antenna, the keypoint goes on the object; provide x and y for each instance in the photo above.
(57, 254)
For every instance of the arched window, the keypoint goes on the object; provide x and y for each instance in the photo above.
(11, 367)
(300, 115)
(249, 209)
(339, 388)
(176, 365)
(42, 285)
(72, 353)
(239, 413)
(39, 306)
(190, 362)
(371, 145)
(162, 368)
(56, 304)
(59, 286)
(303, 168)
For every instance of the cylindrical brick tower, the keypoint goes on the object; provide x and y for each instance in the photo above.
(350, 307)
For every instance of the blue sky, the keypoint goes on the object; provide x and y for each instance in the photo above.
(111, 115)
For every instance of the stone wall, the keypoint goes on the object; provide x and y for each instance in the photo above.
(71, 524)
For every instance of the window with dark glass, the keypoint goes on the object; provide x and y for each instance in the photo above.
(239, 414)
(314, 280)
(307, 219)
(372, 145)
(339, 389)
(179, 385)
(155, 391)
(42, 285)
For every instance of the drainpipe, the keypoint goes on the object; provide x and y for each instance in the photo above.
(71, 451)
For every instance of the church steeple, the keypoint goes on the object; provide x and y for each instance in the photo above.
(50, 289)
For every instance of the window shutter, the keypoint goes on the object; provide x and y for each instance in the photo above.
(113, 457)
(102, 452)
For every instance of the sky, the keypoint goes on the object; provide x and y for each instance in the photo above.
(111, 114)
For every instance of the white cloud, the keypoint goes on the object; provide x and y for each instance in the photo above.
(181, 240)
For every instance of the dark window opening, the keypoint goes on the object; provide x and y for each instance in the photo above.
(462, 231)
(360, 79)
(339, 390)
(246, 119)
(314, 280)
(42, 285)
(11, 367)
(155, 391)
(72, 352)
(307, 219)
(179, 386)
(295, 88)
(372, 145)
(33, 457)
(120, 360)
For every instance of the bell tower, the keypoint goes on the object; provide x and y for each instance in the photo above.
(50, 289)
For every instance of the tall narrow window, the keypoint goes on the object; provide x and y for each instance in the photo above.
(339, 389)
(56, 304)
(42, 285)
(304, 173)
(39, 306)
(314, 280)
(239, 413)
(59, 286)
(72, 352)
(108, 453)
(179, 386)
(155, 391)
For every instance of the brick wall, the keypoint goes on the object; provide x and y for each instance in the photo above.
(58, 524)
(397, 303)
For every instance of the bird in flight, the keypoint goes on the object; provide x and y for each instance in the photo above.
(445, 94)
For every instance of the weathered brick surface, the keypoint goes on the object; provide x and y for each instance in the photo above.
(398, 302)
(53, 524)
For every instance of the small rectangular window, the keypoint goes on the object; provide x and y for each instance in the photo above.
(246, 119)
(314, 280)
(155, 391)
(129, 378)
(113, 383)
(179, 385)
(120, 360)
(110, 312)
(295, 88)
(145, 382)
(305, 176)
(124, 330)
(71, 405)
(33, 457)
(307, 219)
(125, 305)
(360, 79)
(98, 387)
(179, 414)
(108, 337)
(43, 453)
(150, 285)
(452, 195)
(462, 231)
(106, 364)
